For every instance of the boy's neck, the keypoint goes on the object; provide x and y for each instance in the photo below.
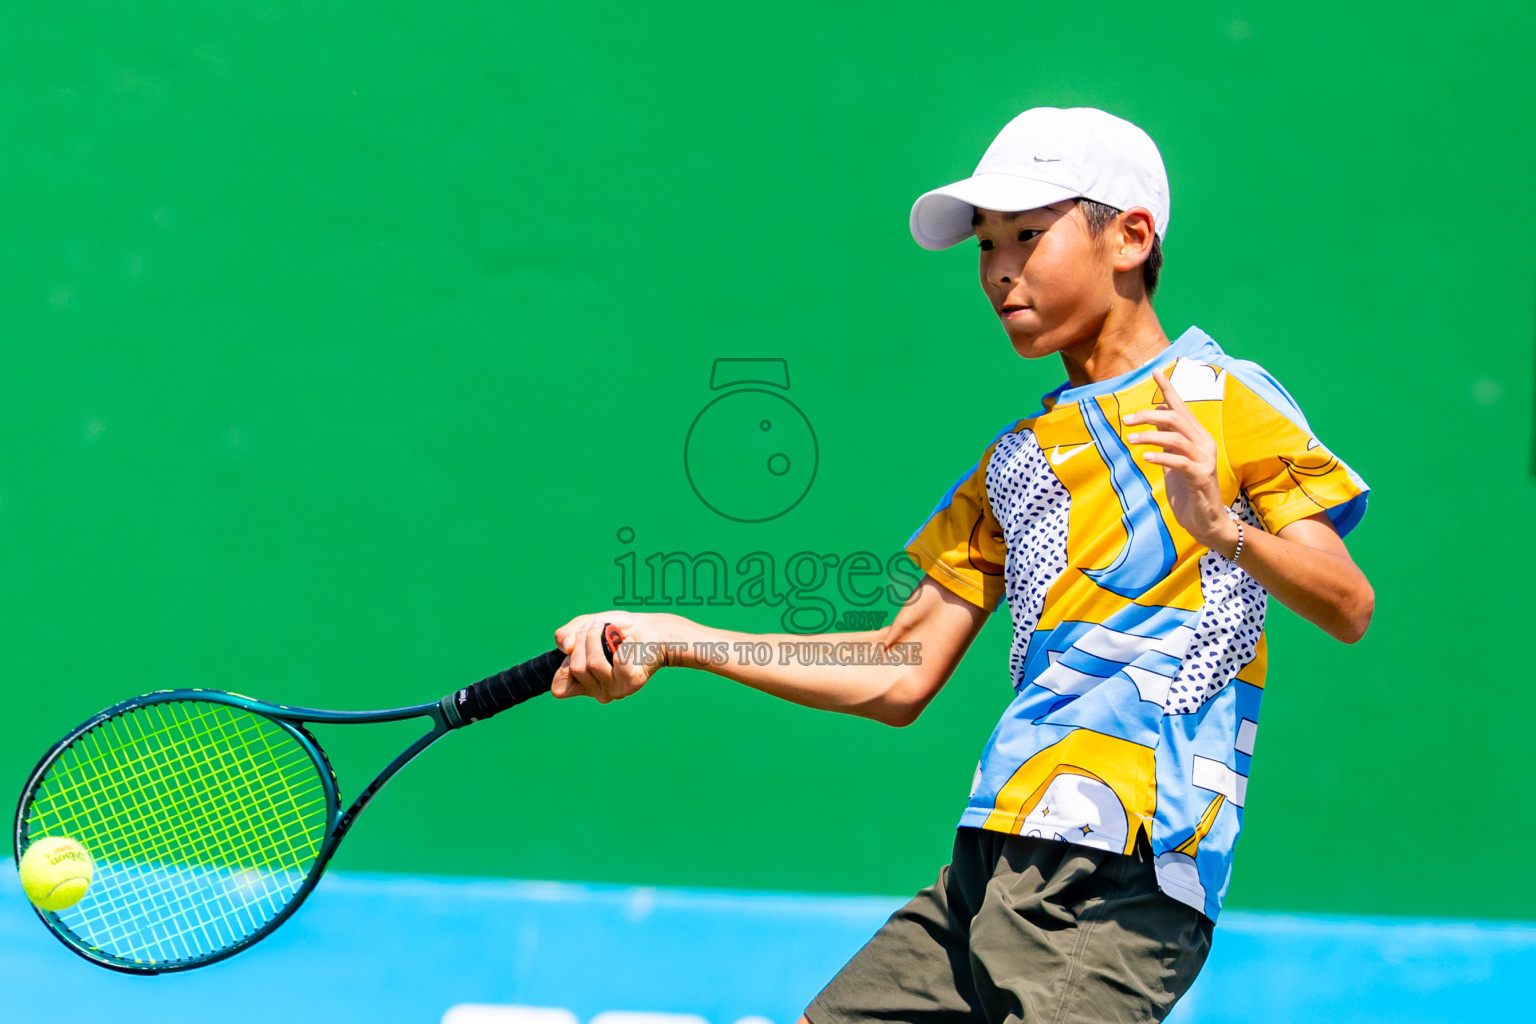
(1129, 336)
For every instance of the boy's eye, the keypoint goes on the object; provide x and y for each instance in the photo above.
(1029, 233)
(986, 245)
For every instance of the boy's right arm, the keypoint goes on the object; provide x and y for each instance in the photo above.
(937, 624)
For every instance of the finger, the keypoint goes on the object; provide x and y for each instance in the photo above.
(1168, 419)
(564, 684)
(577, 659)
(1183, 422)
(1180, 422)
(615, 617)
(1198, 464)
(1169, 394)
(1170, 440)
(566, 634)
(1175, 463)
(1159, 417)
(628, 672)
(598, 666)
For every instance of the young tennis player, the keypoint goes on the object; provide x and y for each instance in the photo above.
(1136, 523)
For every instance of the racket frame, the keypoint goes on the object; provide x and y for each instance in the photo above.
(292, 720)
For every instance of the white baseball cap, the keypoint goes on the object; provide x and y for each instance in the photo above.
(1041, 157)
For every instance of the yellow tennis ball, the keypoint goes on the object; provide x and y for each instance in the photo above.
(56, 872)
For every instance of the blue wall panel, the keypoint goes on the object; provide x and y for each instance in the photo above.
(385, 948)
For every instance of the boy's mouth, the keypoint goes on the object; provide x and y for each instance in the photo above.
(1009, 311)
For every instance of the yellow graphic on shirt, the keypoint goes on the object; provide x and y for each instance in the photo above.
(1191, 846)
(1282, 469)
(965, 548)
(1098, 533)
(1177, 869)
(1089, 788)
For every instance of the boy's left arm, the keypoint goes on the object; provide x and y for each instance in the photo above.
(1305, 565)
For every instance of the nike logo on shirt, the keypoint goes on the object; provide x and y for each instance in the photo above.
(1057, 458)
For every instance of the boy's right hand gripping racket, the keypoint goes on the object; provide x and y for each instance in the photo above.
(210, 816)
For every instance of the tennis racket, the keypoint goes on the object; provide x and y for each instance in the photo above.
(210, 816)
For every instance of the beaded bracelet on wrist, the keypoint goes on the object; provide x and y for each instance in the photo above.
(1238, 551)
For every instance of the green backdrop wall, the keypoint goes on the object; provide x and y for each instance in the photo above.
(343, 342)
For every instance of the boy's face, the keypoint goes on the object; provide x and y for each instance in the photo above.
(1050, 282)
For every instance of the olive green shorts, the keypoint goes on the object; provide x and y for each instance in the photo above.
(1025, 931)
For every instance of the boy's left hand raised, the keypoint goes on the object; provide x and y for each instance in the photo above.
(1188, 458)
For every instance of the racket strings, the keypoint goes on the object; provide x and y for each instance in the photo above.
(220, 846)
(203, 820)
(97, 793)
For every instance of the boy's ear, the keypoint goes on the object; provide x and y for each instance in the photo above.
(1132, 238)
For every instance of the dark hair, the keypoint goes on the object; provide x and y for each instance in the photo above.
(1099, 215)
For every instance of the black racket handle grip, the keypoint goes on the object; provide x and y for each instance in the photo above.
(495, 694)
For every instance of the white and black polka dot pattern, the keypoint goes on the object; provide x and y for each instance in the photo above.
(1227, 632)
(1032, 507)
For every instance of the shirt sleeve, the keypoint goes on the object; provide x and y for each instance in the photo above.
(961, 544)
(1285, 471)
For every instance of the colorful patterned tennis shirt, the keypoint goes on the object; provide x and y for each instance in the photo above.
(1138, 655)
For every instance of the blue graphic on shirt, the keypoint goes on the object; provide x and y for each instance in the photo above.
(1148, 554)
